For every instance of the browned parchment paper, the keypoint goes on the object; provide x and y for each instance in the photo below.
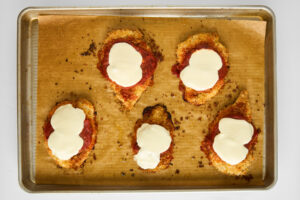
(66, 72)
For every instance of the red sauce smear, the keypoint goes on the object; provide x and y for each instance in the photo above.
(135, 147)
(215, 131)
(148, 65)
(86, 133)
(178, 67)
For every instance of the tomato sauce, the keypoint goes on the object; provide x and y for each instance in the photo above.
(148, 65)
(178, 67)
(86, 133)
(215, 131)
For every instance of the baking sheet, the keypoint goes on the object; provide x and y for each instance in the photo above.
(66, 72)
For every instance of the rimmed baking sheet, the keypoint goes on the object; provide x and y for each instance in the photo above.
(250, 29)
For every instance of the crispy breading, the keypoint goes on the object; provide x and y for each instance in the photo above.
(157, 114)
(191, 44)
(240, 108)
(134, 92)
(127, 96)
(77, 160)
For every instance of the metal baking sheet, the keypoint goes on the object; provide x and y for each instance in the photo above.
(27, 78)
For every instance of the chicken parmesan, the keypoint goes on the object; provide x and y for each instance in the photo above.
(202, 64)
(128, 62)
(232, 136)
(152, 141)
(70, 132)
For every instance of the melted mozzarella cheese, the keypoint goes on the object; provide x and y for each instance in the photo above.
(147, 159)
(153, 140)
(124, 65)
(67, 122)
(229, 143)
(202, 71)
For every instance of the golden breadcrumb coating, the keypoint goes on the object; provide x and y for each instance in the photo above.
(128, 96)
(77, 160)
(240, 109)
(184, 51)
(157, 114)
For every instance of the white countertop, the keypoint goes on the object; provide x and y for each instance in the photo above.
(288, 81)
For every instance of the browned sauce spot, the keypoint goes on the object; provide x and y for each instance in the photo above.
(200, 164)
(176, 121)
(247, 177)
(258, 130)
(90, 51)
(229, 96)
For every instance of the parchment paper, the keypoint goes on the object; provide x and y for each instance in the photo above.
(67, 70)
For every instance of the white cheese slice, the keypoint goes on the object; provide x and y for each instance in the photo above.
(147, 159)
(229, 143)
(202, 71)
(153, 140)
(124, 65)
(67, 122)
